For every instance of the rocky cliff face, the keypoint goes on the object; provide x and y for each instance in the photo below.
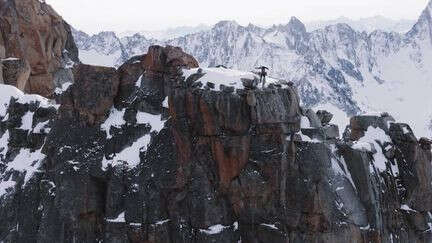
(32, 31)
(160, 151)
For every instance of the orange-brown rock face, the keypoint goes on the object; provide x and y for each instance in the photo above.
(96, 89)
(33, 31)
(2, 55)
(221, 123)
(164, 59)
(163, 68)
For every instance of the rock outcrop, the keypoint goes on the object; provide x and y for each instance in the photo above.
(139, 154)
(32, 31)
(92, 95)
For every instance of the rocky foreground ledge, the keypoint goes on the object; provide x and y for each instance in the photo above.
(147, 153)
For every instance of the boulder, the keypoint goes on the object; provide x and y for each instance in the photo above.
(194, 77)
(227, 89)
(210, 85)
(314, 119)
(360, 124)
(16, 72)
(324, 116)
(163, 70)
(249, 83)
(425, 143)
(165, 60)
(329, 132)
(33, 31)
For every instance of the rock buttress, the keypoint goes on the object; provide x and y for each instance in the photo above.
(31, 30)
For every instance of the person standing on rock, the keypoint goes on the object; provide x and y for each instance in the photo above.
(263, 74)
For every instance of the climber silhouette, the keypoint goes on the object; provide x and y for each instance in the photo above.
(263, 74)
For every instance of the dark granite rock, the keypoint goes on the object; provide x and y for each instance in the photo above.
(16, 72)
(91, 96)
(359, 124)
(324, 116)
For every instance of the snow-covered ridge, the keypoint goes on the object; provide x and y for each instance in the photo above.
(7, 92)
(167, 34)
(368, 25)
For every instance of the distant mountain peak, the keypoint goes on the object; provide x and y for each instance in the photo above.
(296, 24)
(423, 27)
(427, 13)
(226, 24)
(368, 24)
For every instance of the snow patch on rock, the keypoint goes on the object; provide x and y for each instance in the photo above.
(115, 119)
(371, 142)
(224, 76)
(119, 219)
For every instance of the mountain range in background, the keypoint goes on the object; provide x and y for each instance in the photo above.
(169, 33)
(364, 24)
(369, 24)
(336, 67)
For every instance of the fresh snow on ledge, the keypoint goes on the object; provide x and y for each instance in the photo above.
(407, 208)
(271, 226)
(63, 88)
(369, 142)
(130, 155)
(218, 228)
(26, 161)
(115, 119)
(120, 218)
(214, 229)
(27, 121)
(155, 121)
(5, 186)
(227, 77)
(8, 91)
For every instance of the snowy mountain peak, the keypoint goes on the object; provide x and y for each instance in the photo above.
(296, 24)
(423, 28)
(427, 13)
(254, 28)
(226, 24)
(368, 25)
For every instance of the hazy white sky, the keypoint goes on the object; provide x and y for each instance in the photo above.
(121, 15)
